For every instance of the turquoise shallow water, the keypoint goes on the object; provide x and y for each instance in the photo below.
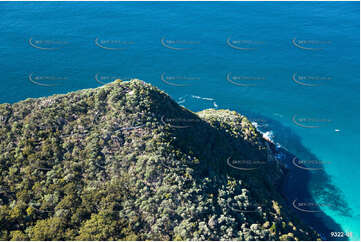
(293, 67)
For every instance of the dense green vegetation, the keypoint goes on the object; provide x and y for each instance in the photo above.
(125, 162)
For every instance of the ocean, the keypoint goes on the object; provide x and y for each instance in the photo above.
(292, 67)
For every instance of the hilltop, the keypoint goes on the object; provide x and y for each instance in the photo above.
(126, 162)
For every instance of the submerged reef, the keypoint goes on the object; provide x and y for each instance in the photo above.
(126, 162)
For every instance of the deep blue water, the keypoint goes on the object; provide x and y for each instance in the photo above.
(291, 66)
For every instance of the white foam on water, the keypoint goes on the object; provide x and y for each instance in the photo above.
(268, 135)
(203, 98)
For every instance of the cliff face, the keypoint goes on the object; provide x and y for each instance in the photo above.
(125, 162)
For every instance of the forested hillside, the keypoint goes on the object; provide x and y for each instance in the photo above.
(126, 162)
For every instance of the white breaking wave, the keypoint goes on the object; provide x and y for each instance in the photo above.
(203, 98)
(268, 135)
(255, 124)
(183, 99)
